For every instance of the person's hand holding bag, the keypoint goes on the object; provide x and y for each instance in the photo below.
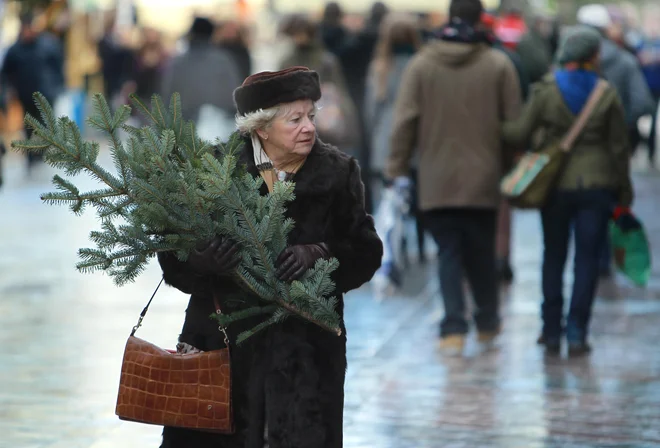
(217, 256)
(294, 261)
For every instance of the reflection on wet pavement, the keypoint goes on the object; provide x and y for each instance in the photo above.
(63, 335)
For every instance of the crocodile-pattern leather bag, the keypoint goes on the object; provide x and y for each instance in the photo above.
(186, 390)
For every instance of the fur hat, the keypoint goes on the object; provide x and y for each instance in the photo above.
(268, 89)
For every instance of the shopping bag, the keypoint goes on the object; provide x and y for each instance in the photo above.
(630, 246)
(390, 226)
(70, 104)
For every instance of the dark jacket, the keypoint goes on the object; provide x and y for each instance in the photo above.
(355, 52)
(36, 66)
(622, 70)
(600, 156)
(291, 375)
(520, 69)
(535, 56)
(202, 75)
(241, 56)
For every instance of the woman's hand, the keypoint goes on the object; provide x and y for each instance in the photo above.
(294, 261)
(216, 256)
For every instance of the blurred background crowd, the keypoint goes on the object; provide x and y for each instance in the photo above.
(120, 47)
(71, 49)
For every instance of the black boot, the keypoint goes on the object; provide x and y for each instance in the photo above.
(552, 346)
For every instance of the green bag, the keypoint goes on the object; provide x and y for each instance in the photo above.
(535, 175)
(632, 254)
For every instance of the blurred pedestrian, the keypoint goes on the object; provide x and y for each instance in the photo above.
(398, 42)
(595, 178)
(341, 129)
(354, 48)
(534, 50)
(510, 27)
(623, 71)
(148, 66)
(649, 57)
(451, 102)
(203, 74)
(620, 68)
(233, 38)
(504, 219)
(116, 60)
(35, 63)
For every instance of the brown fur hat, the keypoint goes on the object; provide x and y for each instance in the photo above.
(268, 89)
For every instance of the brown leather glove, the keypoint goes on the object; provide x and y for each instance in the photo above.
(216, 256)
(294, 261)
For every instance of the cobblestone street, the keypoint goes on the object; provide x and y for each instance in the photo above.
(62, 335)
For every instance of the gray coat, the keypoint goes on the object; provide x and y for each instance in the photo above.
(621, 69)
(379, 113)
(202, 75)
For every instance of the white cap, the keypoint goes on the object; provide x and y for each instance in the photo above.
(594, 15)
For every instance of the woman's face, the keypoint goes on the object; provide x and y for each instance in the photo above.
(294, 131)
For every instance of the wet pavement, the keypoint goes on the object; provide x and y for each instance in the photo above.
(62, 335)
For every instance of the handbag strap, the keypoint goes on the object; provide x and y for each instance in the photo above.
(581, 121)
(146, 308)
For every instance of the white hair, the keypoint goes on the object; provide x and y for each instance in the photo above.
(259, 119)
(262, 118)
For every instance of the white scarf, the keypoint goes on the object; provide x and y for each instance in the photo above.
(261, 159)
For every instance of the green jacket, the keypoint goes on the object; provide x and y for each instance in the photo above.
(600, 157)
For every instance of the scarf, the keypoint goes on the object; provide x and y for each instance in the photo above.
(575, 85)
(267, 169)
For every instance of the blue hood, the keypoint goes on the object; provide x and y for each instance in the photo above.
(575, 87)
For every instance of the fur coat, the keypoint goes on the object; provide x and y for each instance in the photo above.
(289, 378)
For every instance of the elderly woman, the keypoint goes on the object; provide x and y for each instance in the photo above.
(594, 180)
(287, 382)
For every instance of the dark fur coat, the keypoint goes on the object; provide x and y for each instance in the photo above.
(291, 376)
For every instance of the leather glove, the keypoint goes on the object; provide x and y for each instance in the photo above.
(294, 261)
(216, 256)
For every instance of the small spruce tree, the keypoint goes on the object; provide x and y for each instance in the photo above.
(170, 190)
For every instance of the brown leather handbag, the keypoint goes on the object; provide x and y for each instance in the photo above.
(162, 387)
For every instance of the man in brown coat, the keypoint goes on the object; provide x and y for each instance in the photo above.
(452, 100)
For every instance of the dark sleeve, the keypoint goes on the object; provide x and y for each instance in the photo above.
(522, 74)
(56, 60)
(620, 150)
(8, 67)
(178, 274)
(356, 244)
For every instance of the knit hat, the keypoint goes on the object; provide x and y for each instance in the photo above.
(578, 44)
(268, 89)
(595, 15)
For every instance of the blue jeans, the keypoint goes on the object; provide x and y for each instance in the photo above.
(586, 213)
